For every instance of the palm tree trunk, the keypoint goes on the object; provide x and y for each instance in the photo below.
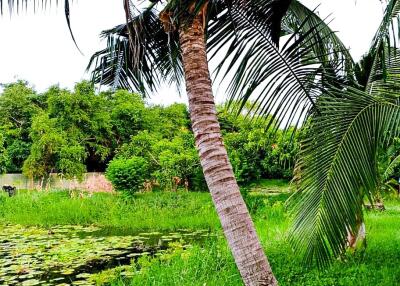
(234, 216)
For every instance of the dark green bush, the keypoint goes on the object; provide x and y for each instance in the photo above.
(128, 175)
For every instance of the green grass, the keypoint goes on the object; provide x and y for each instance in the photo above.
(210, 265)
(150, 211)
(213, 263)
(269, 186)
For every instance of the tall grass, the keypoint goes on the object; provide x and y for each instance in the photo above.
(150, 211)
(198, 266)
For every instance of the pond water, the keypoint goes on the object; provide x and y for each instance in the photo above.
(70, 255)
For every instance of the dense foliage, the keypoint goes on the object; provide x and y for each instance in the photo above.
(173, 161)
(255, 150)
(145, 147)
(128, 174)
(18, 105)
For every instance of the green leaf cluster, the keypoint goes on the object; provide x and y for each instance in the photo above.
(255, 151)
(18, 105)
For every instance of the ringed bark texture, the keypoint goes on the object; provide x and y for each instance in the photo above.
(235, 219)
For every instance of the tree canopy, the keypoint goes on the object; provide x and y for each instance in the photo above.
(72, 132)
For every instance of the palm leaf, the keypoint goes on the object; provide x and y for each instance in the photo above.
(390, 169)
(332, 53)
(284, 82)
(384, 77)
(338, 166)
(385, 40)
(338, 163)
(295, 73)
(140, 59)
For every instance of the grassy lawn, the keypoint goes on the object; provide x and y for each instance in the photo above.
(210, 263)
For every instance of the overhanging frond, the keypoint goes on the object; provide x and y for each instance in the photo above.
(285, 81)
(386, 40)
(332, 53)
(141, 59)
(337, 168)
(338, 163)
(384, 76)
(282, 81)
(390, 168)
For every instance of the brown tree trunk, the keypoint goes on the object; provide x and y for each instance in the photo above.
(232, 211)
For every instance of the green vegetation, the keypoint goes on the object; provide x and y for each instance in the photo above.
(72, 253)
(150, 211)
(376, 265)
(112, 216)
(128, 174)
(71, 132)
(193, 266)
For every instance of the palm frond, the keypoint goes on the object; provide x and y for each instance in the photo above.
(384, 76)
(283, 81)
(386, 40)
(332, 53)
(390, 168)
(260, 67)
(338, 167)
(386, 32)
(139, 56)
(154, 54)
(338, 163)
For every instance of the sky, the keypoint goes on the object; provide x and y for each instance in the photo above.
(38, 47)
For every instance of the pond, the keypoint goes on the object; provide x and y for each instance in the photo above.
(71, 255)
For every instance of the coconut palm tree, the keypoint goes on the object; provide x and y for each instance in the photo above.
(171, 42)
(347, 123)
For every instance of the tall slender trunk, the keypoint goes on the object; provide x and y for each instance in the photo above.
(232, 211)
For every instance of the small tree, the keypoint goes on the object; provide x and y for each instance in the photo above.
(53, 150)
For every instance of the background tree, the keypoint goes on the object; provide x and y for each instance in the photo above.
(160, 135)
(255, 150)
(53, 150)
(3, 155)
(128, 115)
(17, 107)
(71, 135)
(85, 117)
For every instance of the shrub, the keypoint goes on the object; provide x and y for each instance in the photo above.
(178, 158)
(128, 175)
(173, 162)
